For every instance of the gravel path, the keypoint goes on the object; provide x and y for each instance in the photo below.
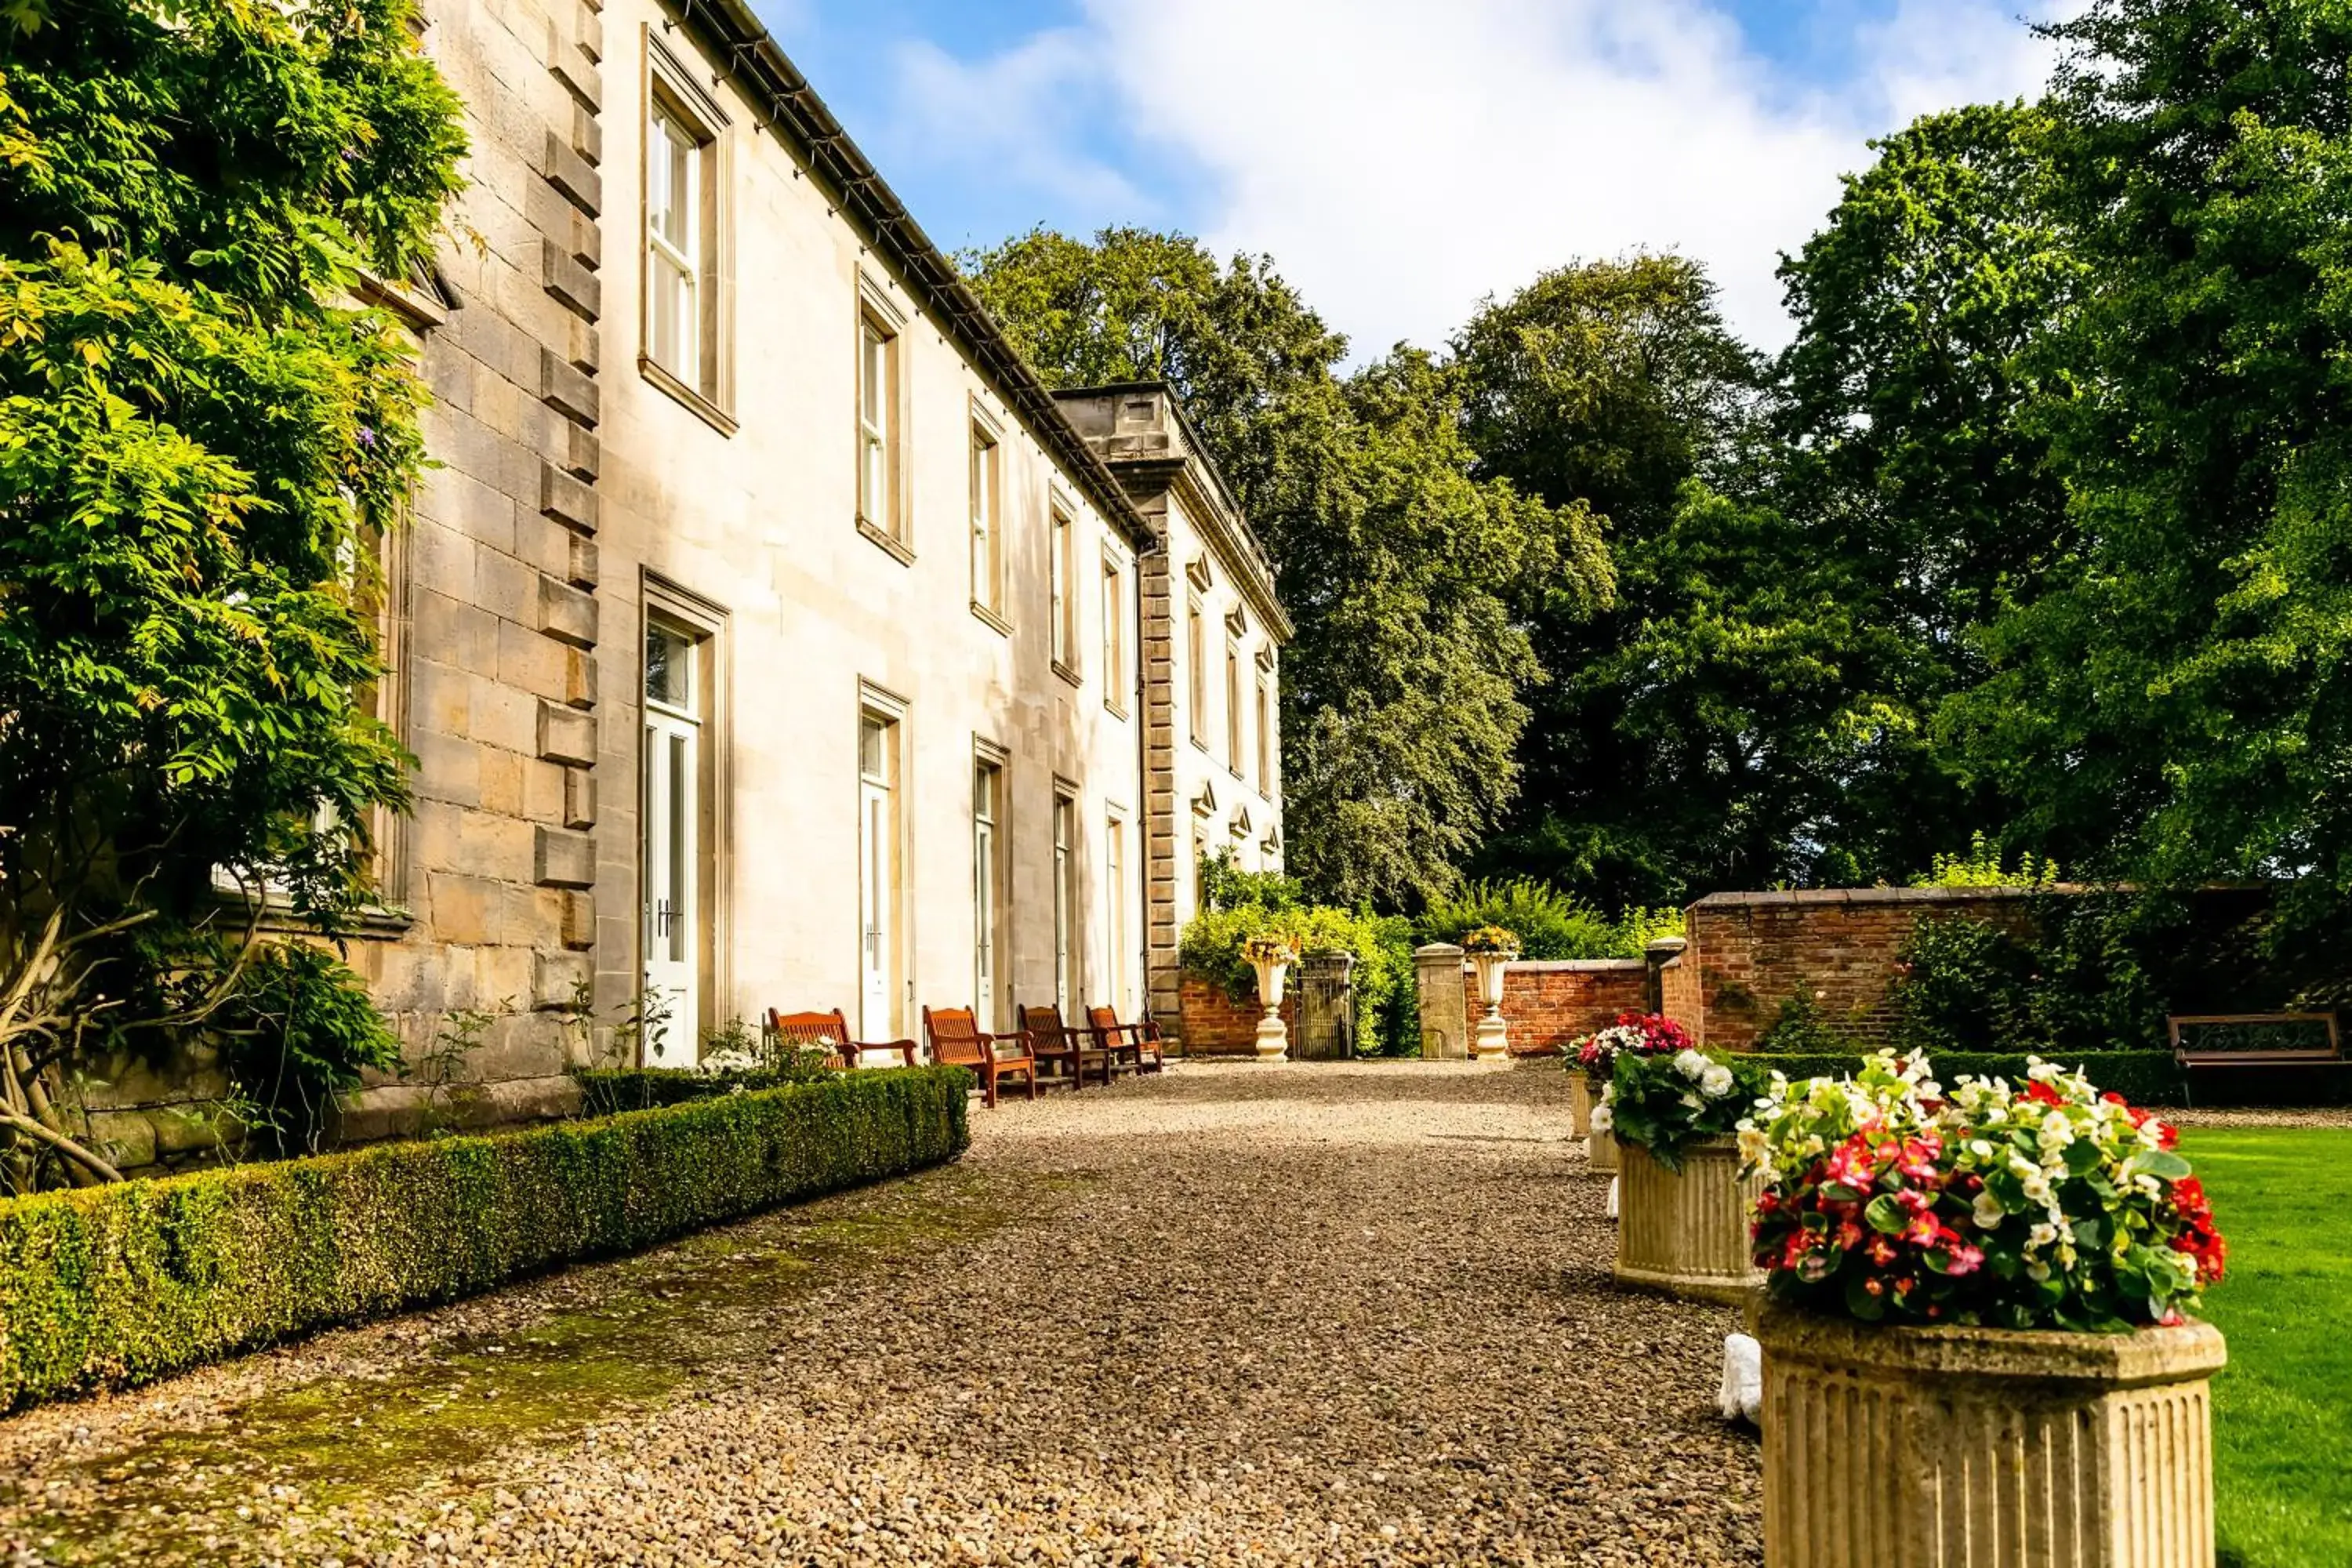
(1345, 1314)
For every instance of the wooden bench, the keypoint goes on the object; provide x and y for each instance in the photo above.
(956, 1041)
(830, 1032)
(1138, 1045)
(1069, 1052)
(2324, 1050)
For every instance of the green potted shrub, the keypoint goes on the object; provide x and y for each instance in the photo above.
(2001, 1276)
(1491, 949)
(1682, 1205)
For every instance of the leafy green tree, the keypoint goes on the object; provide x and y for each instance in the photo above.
(1402, 567)
(1613, 387)
(199, 439)
(2172, 698)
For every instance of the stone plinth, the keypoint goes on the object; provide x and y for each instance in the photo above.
(1437, 971)
(1985, 1448)
(1579, 1103)
(1686, 1232)
(1601, 1151)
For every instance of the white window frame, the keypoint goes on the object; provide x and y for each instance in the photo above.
(987, 504)
(881, 413)
(1114, 634)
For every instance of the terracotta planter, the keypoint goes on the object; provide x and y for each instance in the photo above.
(1686, 1232)
(1601, 1150)
(1580, 1104)
(1985, 1448)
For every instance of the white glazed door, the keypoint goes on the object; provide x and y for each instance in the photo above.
(672, 937)
(877, 879)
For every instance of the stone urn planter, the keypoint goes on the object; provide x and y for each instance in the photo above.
(1601, 1151)
(1273, 1037)
(1686, 1232)
(1985, 1448)
(1491, 1041)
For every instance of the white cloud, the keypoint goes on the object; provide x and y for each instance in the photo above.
(1401, 159)
(1013, 117)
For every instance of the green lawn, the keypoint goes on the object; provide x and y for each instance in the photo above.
(2283, 1409)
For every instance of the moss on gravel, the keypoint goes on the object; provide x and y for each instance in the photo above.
(656, 1322)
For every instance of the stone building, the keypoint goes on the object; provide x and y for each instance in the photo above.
(1213, 632)
(768, 636)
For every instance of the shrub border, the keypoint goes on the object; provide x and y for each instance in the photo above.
(111, 1287)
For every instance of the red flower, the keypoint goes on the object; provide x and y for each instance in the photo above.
(2040, 1094)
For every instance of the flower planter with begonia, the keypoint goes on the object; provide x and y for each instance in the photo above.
(1592, 1059)
(1682, 1200)
(1976, 1350)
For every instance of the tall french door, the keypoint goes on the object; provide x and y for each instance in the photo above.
(671, 852)
(878, 877)
(987, 901)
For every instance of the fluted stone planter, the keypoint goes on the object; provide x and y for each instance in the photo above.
(1686, 1232)
(1580, 1104)
(1985, 1448)
(1600, 1152)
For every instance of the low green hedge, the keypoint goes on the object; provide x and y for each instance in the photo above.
(610, 1092)
(2144, 1078)
(120, 1285)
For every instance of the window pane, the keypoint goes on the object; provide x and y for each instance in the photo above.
(669, 667)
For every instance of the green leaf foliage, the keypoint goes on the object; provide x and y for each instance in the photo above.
(2171, 698)
(122, 1285)
(201, 441)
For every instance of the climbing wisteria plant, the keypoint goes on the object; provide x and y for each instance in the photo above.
(2044, 1204)
(202, 437)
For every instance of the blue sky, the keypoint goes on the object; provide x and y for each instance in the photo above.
(1400, 159)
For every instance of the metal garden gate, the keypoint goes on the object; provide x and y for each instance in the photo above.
(1327, 1007)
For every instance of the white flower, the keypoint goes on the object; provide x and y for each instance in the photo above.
(1690, 1064)
(1601, 1118)
(1716, 1081)
(2037, 1272)
(1988, 1212)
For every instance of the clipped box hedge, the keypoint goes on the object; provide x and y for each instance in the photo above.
(120, 1285)
(610, 1092)
(2144, 1078)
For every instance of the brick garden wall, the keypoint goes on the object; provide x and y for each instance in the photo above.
(1548, 1004)
(1216, 1025)
(1678, 992)
(1749, 952)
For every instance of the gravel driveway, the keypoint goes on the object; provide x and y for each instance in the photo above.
(1346, 1314)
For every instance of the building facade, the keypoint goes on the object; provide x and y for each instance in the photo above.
(1213, 634)
(767, 635)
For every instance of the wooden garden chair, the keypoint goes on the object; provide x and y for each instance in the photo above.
(830, 1032)
(1071, 1051)
(956, 1041)
(1139, 1044)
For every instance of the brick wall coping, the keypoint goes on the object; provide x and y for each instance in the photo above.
(1808, 897)
(1572, 965)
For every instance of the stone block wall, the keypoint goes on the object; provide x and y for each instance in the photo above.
(1215, 1025)
(1548, 1003)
